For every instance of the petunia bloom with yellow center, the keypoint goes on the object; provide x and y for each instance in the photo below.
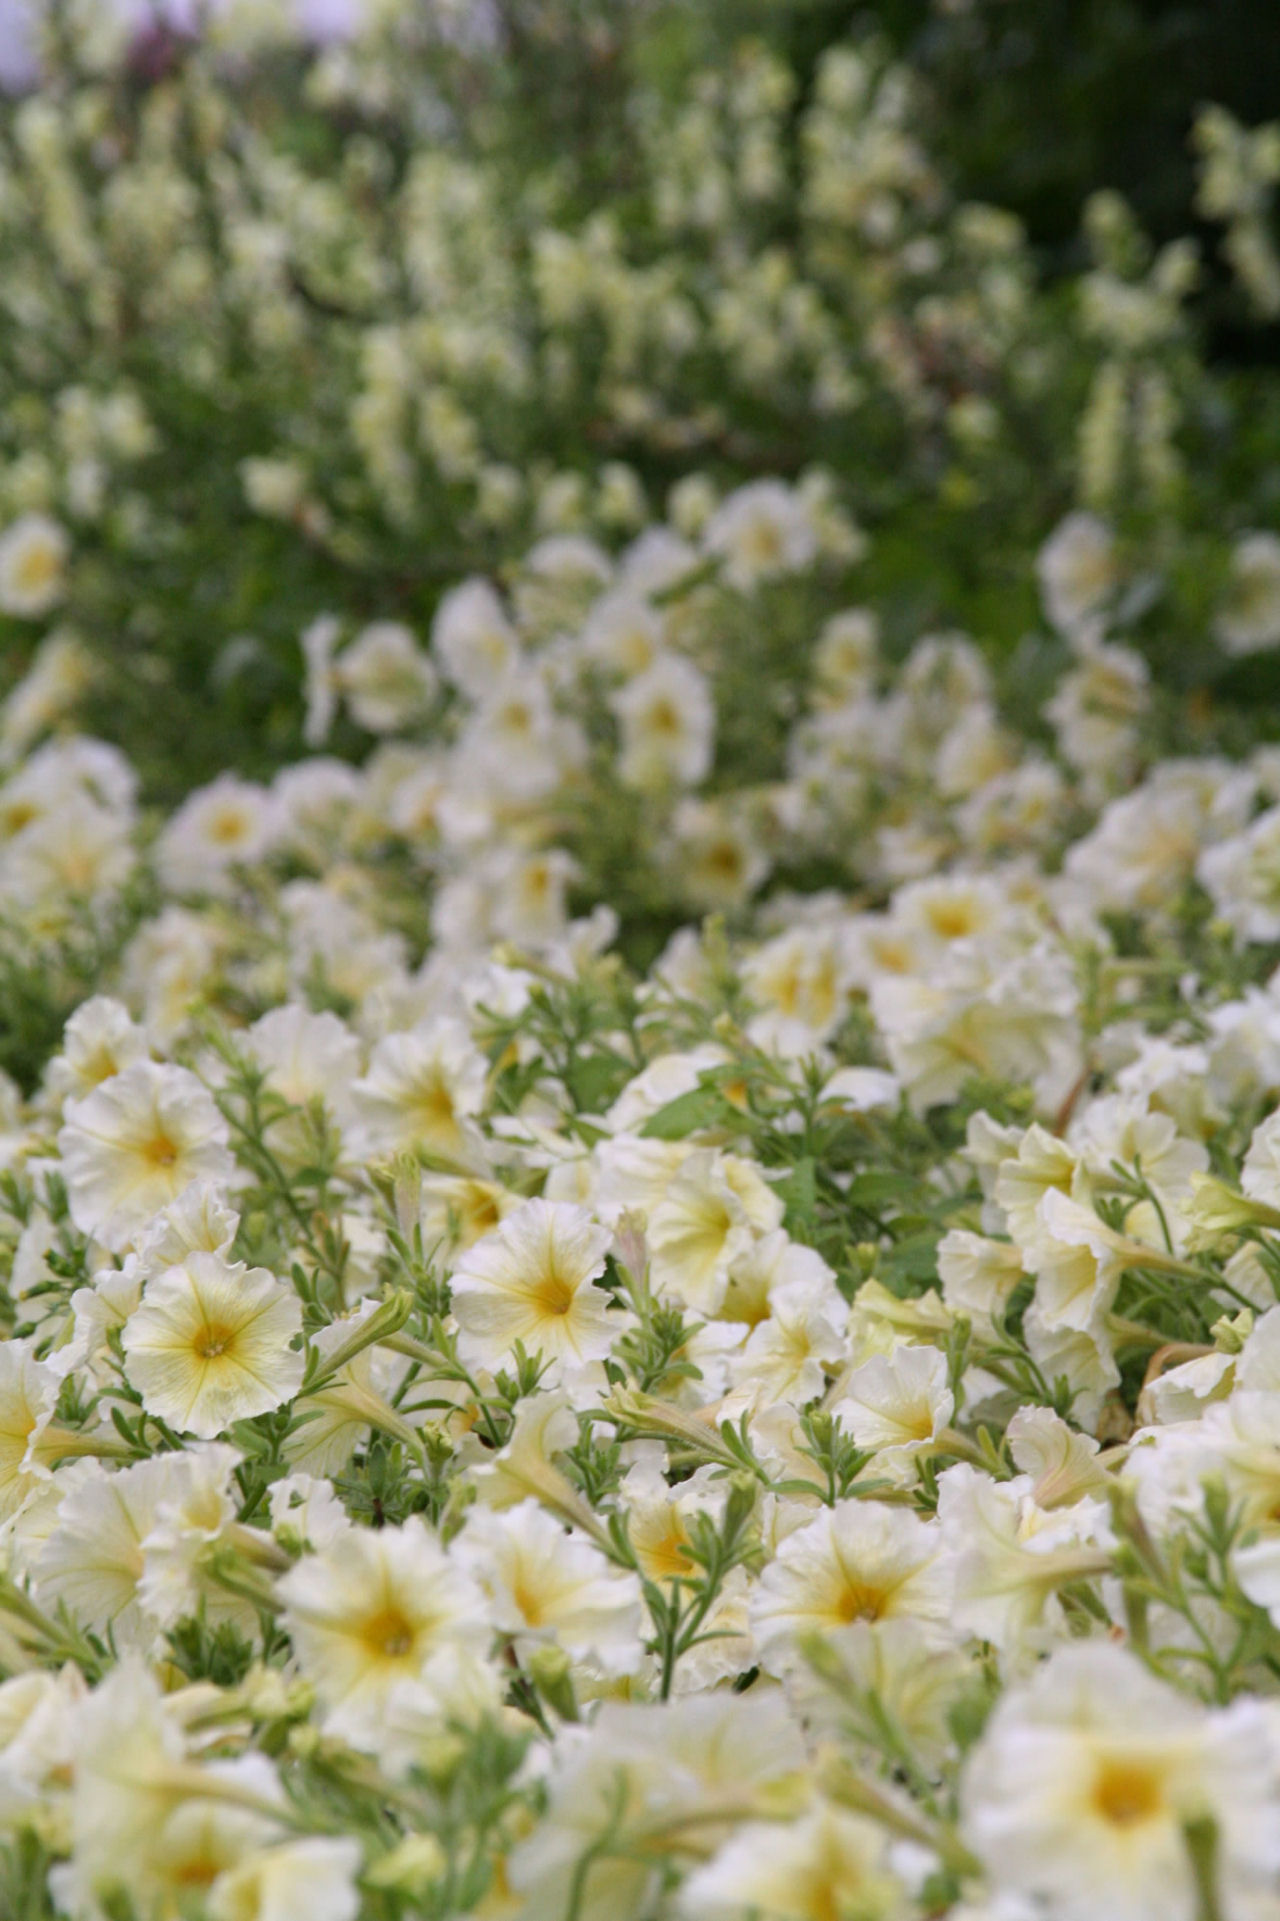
(1080, 1797)
(209, 1344)
(33, 560)
(531, 1280)
(134, 1143)
(857, 1561)
(368, 1614)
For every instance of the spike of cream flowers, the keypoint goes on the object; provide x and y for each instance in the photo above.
(209, 1344)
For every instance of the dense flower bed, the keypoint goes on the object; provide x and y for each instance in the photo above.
(641, 1263)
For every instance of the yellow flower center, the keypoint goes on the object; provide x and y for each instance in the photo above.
(227, 828)
(527, 1600)
(37, 567)
(917, 1422)
(763, 543)
(724, 860)
(99, 1067)
(388, 1635)
(479, 1214)
(160, 1151)
(893, 957)
(951, 920)
(433, 1104)
(78, 870)
(199, 1872)
(746, 1302)
(553, 1293)
(213, 1341)
(1126, 1793)
(859, 1601)
(667, 1558)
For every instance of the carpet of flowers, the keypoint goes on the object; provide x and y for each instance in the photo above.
(641, 1273)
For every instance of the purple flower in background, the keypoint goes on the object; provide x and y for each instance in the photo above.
(17, 59)
(153, 27)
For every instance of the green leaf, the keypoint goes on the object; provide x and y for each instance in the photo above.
(701, 1107)
(913, 1259)
(593, 1081)
(870, 1193)
(800, 1192)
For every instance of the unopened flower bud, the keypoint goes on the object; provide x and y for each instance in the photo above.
(410, 1868)
(552, 1674)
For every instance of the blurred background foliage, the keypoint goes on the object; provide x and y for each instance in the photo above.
(1029, 105)
(1039, 102)
(1034, 104)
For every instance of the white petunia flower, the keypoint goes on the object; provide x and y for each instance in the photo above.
(896, 1405)
(369, 1612)
(306, 1057)
(1248, 620)
(1007, 1556)
(134, 1143)
(979, 1276)
(1080, 1792)
(473, 639)
(209, 1344)
(857, 1561)
(388, 682)
(29, 1392)
(77, 851)
(1078, 574)
(800, 981)
(547, 1586)
(532, 1280)
(143, 1819)
(647, 1775)
(312, 1879)
(37, 1742)
(759, 531)
(422, 1089)
(230, 823)
(788, 1355)
(827, 1863)
(667, 719)
(100, 1040)
(776, 1266)
(92, 1561)
(33, 559)
(1242, 876)
(709, 1218)
(198, 1222)
(624, 633)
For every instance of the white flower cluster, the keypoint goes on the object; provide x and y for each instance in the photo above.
(794, 1431)
(640, 1251)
